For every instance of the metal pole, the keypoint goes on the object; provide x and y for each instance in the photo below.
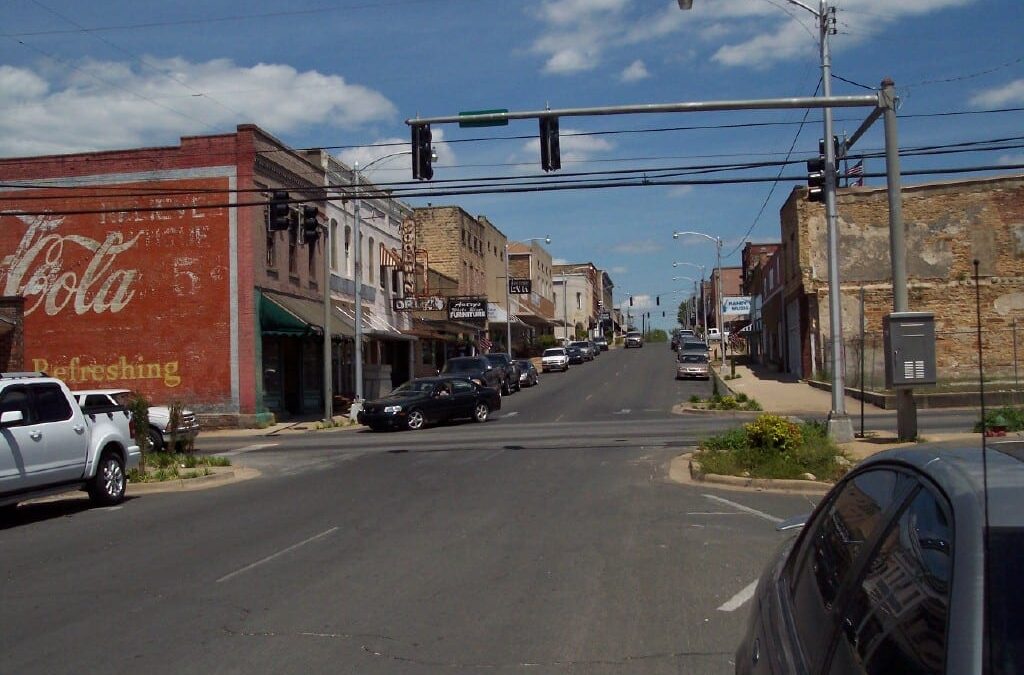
(718, 300)
(862, 345)
(906, 410)
(508, 307)
(328, 384)
(981, 363)
(839, 425)
(565, 310)
(358, 268)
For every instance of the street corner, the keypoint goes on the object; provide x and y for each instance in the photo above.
(874, 442)
(218, 477)
(684, 470)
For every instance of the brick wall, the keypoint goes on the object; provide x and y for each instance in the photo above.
(948, 225)
(441, 231)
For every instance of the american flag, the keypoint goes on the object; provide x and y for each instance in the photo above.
(856, 171)
(485, 344)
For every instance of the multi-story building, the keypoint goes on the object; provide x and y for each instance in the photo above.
(948, 225)
(154, 269)
(536, 310)
(577, 299)
(455, 246)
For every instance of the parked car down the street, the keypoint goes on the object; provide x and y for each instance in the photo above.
(430, 400)
(602, 344)
(692, 365)
(575, 355)
(900, 570)
(555, 358)
(528, 375)
(585, 347)
(509, 368)
(693, 347)
(475, 368)
(160, 428)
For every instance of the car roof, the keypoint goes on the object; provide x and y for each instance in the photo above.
(960, 473)
(86, 392)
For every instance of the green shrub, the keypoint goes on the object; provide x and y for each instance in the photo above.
(1013, 418)
(752, 405)
(741, 398)
(771, 432)
(694, 398)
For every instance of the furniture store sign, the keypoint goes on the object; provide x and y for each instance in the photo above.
(738, 306)
(467, 309)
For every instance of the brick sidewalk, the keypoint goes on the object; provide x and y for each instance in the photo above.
(783, 393)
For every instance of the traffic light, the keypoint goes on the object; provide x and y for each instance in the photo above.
(657, 300)
(816, 180)
(310, 223)
(550, 154)
(277, 215)
(422, 169)
(631, 301)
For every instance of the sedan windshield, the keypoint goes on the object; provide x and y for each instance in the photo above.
(694, 358)
(415, 387)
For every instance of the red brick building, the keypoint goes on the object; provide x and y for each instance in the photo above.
(153, 269)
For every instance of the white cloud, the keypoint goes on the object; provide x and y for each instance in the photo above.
(634, 72)
(619, 269)
(642, 301)
(1011, 93)
(1006, 160)
(569, 11)
(637, 247)
(559, 261)
(383, 147)
(105, 104)
(677, 191)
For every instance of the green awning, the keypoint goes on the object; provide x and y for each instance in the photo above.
(298, 317)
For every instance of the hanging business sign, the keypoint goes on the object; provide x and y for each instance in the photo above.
(409, 257)
(520, 286)
(429, 303)
(467, 309)
(737, 306)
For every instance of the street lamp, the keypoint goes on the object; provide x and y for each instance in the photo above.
(840, 426)
(508, 291)
(703, 273)
(357, 264)
(718, 289)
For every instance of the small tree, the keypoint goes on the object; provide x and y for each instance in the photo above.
(139, 410)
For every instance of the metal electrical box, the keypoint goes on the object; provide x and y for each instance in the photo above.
(909, 349)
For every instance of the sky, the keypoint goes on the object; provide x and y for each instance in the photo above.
(346, 74)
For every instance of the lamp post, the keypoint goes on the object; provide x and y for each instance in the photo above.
(840, 426)
(694, 290)
(357, 265)
(508, 290)
(703, 273)
(718, 285)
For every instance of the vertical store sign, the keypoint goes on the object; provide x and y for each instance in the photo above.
(111, 297)
(408, 257)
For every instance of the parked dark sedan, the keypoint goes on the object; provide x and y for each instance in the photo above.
(528, 373)
(509, 368)
(429, 400)
(476, 368)
(893, 574)
(575, 354)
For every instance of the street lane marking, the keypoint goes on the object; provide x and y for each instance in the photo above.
(589, 396)
(624, 411)
(746, 509)
(278, 554)
(248, 448)
(560, 417)
(738, 600)
(511, 414)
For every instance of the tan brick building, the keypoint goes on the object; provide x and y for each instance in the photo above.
(948, 225)
(455, 246)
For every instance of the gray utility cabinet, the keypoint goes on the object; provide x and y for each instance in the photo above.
(909, 349)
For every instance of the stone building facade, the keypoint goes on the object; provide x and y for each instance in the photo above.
(948, 225)
(455, 246)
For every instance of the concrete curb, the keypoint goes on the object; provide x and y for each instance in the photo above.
(234, 474)
(687, 472)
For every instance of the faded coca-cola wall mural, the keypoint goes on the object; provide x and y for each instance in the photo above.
(125, 291)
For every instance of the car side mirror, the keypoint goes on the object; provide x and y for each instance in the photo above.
(11, 418)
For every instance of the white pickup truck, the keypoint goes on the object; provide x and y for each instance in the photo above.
(48, 445)
(160, 429)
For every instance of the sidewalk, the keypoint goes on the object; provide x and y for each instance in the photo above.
(785, 394)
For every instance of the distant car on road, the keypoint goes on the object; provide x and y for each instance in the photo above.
(692, 365)
(634, 339)
(475, 368)
(427, 400)
(900, 570)
(595, 348)
(527, 373)
(575, 354)
(602, 344)
(555, 358)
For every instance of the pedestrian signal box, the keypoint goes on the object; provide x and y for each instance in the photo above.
(909, 349)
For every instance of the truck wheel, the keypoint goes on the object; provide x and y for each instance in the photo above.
(156, 440)
(108, 485)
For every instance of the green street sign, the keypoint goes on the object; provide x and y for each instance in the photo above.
(487, 123)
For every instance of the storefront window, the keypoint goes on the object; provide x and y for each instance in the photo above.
(271, 372)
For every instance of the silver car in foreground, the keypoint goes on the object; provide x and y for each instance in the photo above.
(893, 572)
(692, 365)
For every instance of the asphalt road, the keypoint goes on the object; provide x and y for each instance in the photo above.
(547, 541)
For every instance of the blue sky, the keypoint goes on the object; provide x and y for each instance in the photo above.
(107, 74)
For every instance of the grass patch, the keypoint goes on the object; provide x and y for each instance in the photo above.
(773, 447)
(164, 466)
(1008, 416)
(719, 402)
